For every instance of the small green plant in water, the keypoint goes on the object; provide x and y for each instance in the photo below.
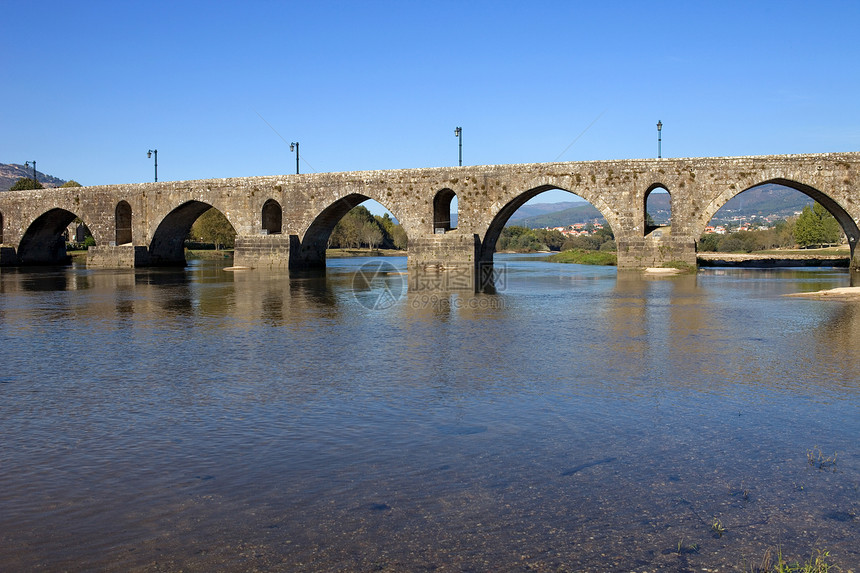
(687, 549)
(817, 563)
(816, 458)
(717, 527)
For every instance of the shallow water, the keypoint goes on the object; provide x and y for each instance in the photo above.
(579, 419)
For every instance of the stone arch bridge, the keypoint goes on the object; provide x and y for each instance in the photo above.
(286, 220)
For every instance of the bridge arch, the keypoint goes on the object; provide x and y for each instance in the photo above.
(494, 231)
(43, 242)
(122, 223)
(442, 210)
(168, 242)
(272, 217)
(848, 224)
(650, 224)
(315, 239)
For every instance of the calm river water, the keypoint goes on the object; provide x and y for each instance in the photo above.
(577, 420)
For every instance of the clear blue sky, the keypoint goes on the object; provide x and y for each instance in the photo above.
(91, 86)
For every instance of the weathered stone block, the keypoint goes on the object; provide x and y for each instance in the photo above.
(262, 251)
(444, 262)
(117, 257)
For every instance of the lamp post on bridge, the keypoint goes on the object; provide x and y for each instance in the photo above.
(27, 164)
(458, 133)
(148, 155)
(659, 139)
(294, 146)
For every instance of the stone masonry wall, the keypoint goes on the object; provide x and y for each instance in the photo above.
(487, 195)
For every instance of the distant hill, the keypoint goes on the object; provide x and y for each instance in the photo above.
(769, 200)
(10, 173)
(582, 213)
(766, 200)
(529, 211)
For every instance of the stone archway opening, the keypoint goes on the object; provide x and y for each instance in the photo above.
(122, 222)
(44, 242)
(272, 217)
(194, 224)
(548, 218)
(1, 228)
(445, 207)
(658, 209)
(356, 223)
(778, 215)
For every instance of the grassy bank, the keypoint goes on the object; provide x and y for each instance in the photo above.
(209, 254)
(585, 257)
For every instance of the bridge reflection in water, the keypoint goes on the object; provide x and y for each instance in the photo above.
(204, 419)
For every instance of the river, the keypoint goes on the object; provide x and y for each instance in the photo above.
(578, 419)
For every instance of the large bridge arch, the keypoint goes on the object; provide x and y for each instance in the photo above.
(494, 230)
(315, 237)
(846, 221)
(43, 243)
(168, 241)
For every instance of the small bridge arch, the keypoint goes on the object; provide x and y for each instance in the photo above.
(442, 202)
(123, 222)
(649, 224)
(272, 217)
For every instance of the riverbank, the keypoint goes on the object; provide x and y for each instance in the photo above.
(208, 254)
(773, 259)
(585, 257)
(346, 253)
(841, 293)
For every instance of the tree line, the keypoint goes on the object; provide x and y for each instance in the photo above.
(814, 227)
(524, 240)
(360, 228)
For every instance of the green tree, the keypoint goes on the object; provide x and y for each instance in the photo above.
(71, 183)
(25, 183)
(709, 243)
(398, 238)
(393, 235)
(551, 238)
(371, 234)
(583, 242)
(360, 228)
(816, 226)
(213, 227)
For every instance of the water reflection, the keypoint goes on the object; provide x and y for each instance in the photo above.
(164, 416)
